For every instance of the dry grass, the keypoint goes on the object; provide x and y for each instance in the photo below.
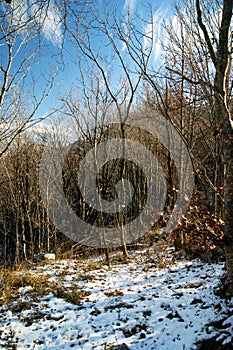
(72, 295)
(91, 266)
(114, 293)
(12, 280)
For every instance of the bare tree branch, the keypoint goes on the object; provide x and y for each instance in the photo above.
(205, 32)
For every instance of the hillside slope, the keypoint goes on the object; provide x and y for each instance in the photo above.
(87, 305)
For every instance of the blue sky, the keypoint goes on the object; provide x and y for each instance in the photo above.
(53, 35)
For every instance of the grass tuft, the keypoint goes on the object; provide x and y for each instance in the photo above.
(12, 280)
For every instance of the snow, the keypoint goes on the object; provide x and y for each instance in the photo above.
(135, 303)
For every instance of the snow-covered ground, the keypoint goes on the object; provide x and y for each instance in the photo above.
(135, 303)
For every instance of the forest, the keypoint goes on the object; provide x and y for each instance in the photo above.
(175, 68)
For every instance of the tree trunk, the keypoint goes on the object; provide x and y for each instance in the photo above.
(228, 196)
(222, 63)
(223, 117)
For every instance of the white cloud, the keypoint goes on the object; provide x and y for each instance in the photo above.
(20, 14)
(129, 6)
(48, 19)
(28, 14)
(128, 9)
(155, 29)
(54, 129)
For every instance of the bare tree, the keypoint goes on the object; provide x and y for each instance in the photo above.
(221, 58)
(25, 37)
(20, 199)
(199, 52)
(128, 47)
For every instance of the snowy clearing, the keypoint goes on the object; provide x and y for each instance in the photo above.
(135, 303)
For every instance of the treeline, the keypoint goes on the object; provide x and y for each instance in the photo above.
(26, 229)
